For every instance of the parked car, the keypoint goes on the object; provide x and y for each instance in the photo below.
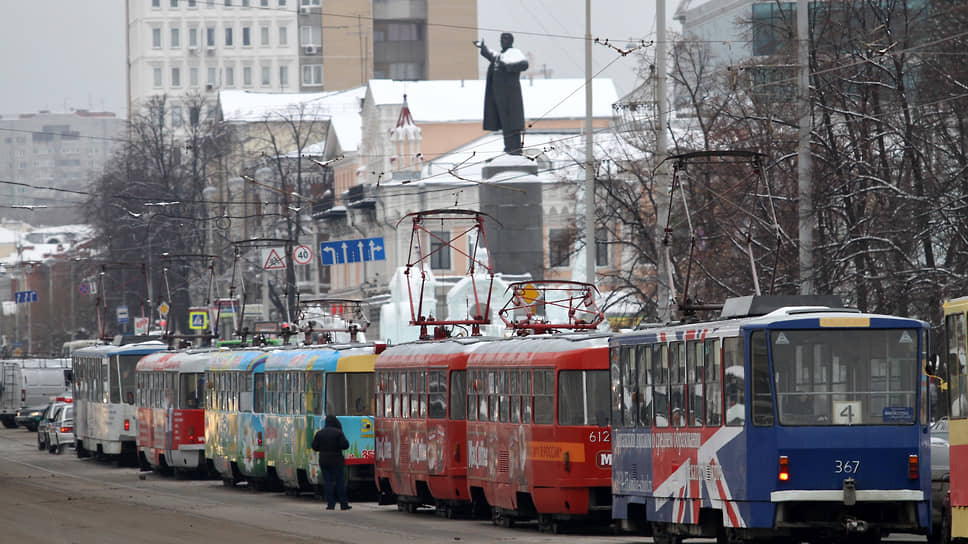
(60, 432)
(47, 421)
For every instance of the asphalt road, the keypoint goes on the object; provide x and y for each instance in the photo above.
(48, 498)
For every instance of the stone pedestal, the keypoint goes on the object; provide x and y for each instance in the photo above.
(508, 163)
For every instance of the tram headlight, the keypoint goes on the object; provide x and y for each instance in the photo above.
(913, 462)
(784, 472)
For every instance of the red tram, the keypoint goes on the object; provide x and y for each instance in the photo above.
(421, 408)
(538, 435)
(170, 411)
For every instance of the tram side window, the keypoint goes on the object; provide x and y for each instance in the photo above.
(259, 393)
(625, 375)
(735, 381)
(472, 385)
(458, 395)
(760, 368)
(583, 397)
(437, 393)
(422, 386)
(526, 398)
(348, 393)
(615, 368)
(660, 374)
(417, 397)
(957, 364)
(514, 386)
(315, 392)
(713, 383)
(544, 402)
(677, 383)
(502, 388)
(127, 364)
(643, 354)
(694, 379)
(492, 394)
(395, 389)
(189, 390)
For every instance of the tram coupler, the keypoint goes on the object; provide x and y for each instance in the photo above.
(850, 492)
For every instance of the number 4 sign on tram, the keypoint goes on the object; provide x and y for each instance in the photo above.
(302, 255)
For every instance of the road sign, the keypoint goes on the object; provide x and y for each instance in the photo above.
(227, 306)
(22, 297)
(351, 251)
(198, 319)
(273, 259)
(302, 255)
(140, 326)
(122, 312)
(529, 294)
(84, 288)
(163, 308)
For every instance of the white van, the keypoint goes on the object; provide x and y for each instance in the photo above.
(29, 383)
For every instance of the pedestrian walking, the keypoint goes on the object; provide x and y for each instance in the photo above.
(330, 443)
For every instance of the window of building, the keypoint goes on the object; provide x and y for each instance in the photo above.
(264, 3)
(174, 3)
(228, 3)
(211, 76)
(228, 36)
(193, 76)
(246, 76)
(266, 77)
(192, 3)
(176, 77)
(310, 35)
(439, 250)
(156, 3)
(283, 76)
(282, 3)
(156, 38)
(175, 38)
(310, 2)
(210, 36)
(773, 26)
(246, 36)
(406, 71)
(176, 116)
(245, 3)
(156, 77)
(192, 37)
(229, 76)
(312, 74)
(601, 247)
(264, 36)
(283, 36)
(559, 247)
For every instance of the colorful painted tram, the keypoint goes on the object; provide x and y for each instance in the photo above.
(955, 520)
(775, 421)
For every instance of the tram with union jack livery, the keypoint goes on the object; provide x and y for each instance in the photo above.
(781, 419)
(171, 411)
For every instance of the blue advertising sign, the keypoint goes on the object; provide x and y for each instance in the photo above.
(21, 297)
(351, 251)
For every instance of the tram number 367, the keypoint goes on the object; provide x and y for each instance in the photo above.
(596, 437)
(846, 467)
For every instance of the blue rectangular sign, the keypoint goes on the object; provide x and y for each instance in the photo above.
(21, 297)
(351, 251)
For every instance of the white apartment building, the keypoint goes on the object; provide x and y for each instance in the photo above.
(176, 47)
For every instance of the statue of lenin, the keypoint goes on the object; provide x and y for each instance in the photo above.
(503, 107)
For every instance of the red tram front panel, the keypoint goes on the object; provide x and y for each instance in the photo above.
(538, 436)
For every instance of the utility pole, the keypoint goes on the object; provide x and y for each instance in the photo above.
(590, 249)
(804, 167)
(661, 185)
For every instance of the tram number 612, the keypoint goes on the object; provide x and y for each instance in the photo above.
(846, 467)
(596, 437)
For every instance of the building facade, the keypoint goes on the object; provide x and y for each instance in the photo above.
(177, 47)
(61, 150)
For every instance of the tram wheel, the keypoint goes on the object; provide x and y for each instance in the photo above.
(411, 508)
(228, 482)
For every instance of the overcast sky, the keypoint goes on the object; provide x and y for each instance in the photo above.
(60, 55)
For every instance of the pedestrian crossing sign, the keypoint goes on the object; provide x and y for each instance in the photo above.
(198, 319)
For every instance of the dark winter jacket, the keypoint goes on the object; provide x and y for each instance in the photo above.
(330, 443)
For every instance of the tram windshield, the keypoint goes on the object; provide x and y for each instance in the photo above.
(845, 377)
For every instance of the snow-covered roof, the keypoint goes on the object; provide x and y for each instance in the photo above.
(241, 106)
(39, 243)
(441, 101)
(349, 130)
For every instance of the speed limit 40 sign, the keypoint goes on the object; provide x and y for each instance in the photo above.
(302, 255)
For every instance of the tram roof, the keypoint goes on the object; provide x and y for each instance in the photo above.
(177, 361)
(346, 357)
(238, 359)
(140, 348)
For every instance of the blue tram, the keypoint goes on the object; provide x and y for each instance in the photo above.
(775, 421)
